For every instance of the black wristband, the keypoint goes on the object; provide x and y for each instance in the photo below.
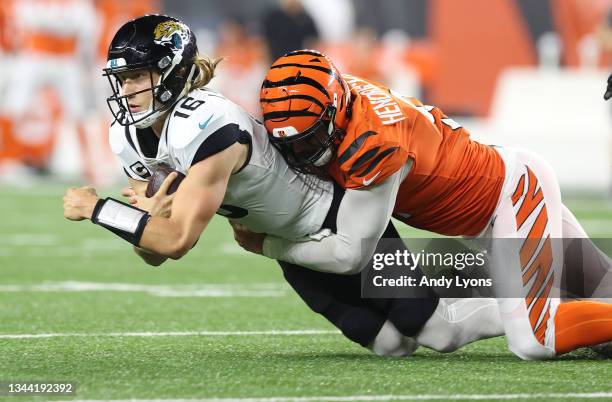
(96, 210)
(122, 219)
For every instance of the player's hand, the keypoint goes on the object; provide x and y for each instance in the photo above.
(250, 241)
(608, 93)
(79, 203)
(158, 205)
(128, 192)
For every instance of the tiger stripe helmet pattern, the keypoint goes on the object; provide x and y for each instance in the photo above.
(305, 102)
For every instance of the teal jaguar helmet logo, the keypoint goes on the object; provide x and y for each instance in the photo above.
(172, 34)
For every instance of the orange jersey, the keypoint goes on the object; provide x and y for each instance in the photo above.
(454, 183)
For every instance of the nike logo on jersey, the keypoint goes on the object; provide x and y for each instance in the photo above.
(203, 124)
(368, 182)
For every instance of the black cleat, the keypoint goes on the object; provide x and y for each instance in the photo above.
(603, 349)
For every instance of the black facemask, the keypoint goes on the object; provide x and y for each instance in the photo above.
(303, 152)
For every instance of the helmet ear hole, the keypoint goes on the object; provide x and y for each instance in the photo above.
(163, 95)
(164, 62)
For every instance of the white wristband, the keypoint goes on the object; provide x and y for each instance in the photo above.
(120, 216)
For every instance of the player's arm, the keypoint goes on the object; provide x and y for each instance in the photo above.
(139, 188)
(363, 215)
(194, 204)
(150, 257)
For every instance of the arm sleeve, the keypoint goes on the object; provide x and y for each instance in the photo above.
(363, 216)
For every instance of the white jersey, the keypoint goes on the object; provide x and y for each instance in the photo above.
(265, 194)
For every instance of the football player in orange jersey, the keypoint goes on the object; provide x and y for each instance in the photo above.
(396, 156)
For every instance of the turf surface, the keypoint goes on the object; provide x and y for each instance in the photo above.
(60, 277)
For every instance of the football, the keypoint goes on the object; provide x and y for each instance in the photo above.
(157, 178)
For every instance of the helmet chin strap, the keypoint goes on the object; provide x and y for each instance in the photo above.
(326, 157)
(189, 81)
(147, 122)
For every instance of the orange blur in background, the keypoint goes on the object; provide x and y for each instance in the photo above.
(467, 45)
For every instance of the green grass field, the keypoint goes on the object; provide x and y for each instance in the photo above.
(77, 305)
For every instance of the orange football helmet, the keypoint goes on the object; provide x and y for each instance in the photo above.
(305, 103)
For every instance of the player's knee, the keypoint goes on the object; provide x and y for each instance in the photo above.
(389, 342)
(358, 324)
(409, 316)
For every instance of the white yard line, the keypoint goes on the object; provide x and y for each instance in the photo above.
(203, 290)
(368, 398)
(297, 332)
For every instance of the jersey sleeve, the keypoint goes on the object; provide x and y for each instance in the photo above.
(206, 133)
(124, 149)
(215, 142)
(369, 156)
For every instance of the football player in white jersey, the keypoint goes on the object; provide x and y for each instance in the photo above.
(165, 114)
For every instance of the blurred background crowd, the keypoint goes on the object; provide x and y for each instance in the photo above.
(519, 72)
